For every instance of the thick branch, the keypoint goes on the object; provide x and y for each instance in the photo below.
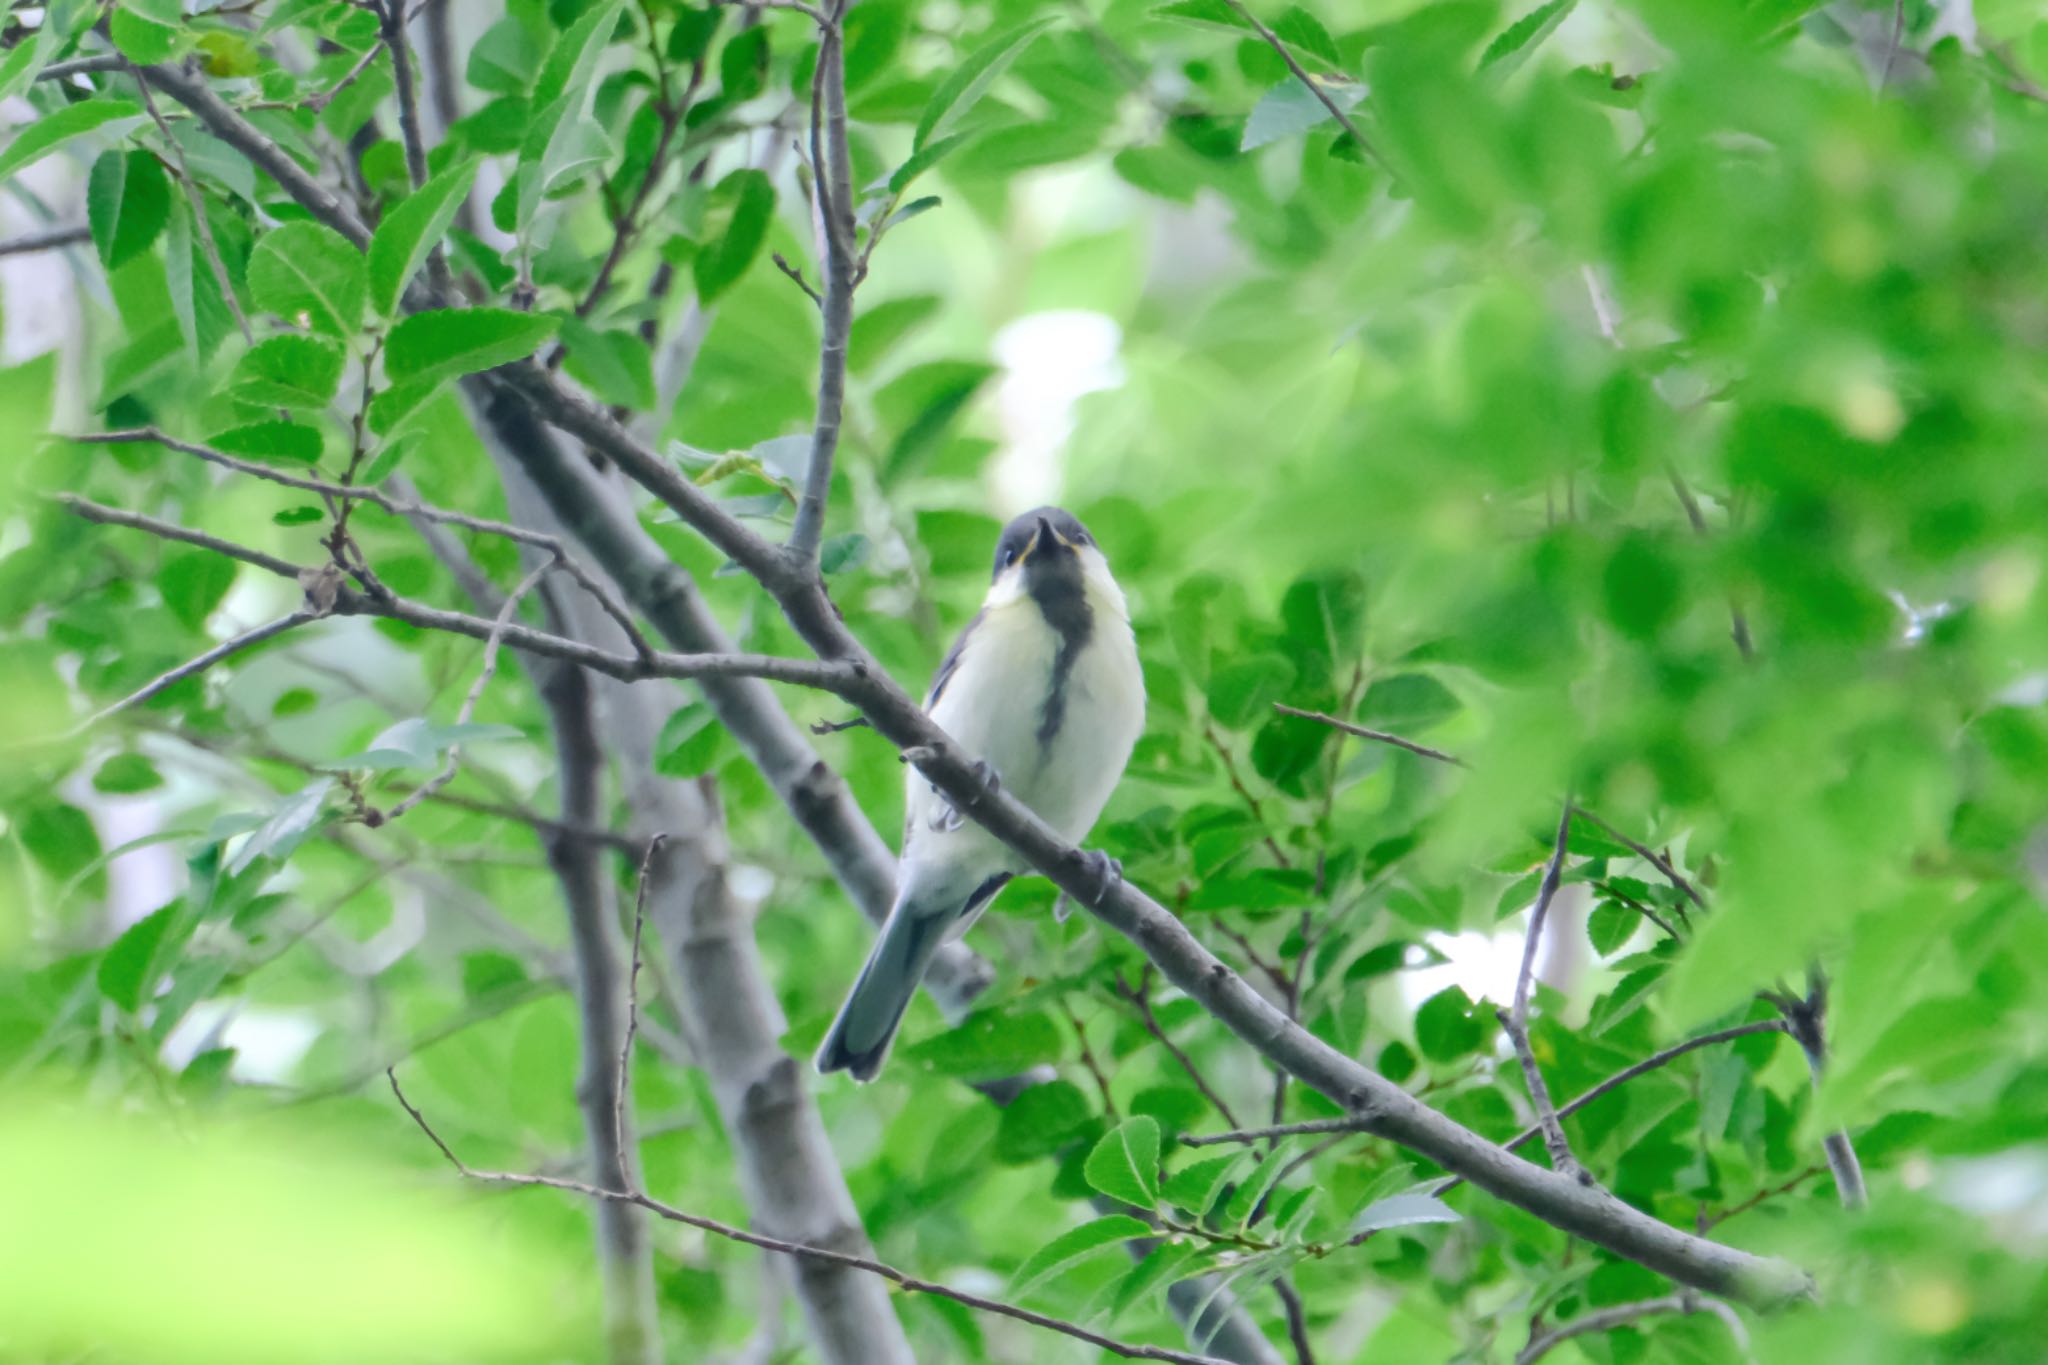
(625, 1254)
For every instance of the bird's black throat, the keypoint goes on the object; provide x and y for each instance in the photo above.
(1062, 598)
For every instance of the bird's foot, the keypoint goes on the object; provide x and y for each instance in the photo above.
(991, 779)
(1106, 871)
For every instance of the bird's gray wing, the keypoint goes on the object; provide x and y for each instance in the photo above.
(950, 664)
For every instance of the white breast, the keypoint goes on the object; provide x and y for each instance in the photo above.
(993, 706)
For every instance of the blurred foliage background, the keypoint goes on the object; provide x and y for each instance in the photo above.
(1654, 414)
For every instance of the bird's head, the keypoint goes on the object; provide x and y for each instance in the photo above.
(1047, 553)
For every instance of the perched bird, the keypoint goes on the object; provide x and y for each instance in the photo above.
(1043, 687)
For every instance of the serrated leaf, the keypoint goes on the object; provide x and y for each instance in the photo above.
(1520, 40)
(308, 272)
(274, 440)
(1125, 1164)
(453, 341)
(1305, 34)
(1245, 1200)
(1073, 1244)
(1611, 926)
(193, 584)
(142, 40)
(126, 968)
(289, 372)
(1197, 1187)
(1400, 1211)
(127, 202)
(1291, 107)
(410, 232)
(972, 78)
(38, 139)
(1162, 1265)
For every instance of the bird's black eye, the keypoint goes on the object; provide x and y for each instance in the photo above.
(1009, 556)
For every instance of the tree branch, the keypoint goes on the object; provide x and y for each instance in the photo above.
(192, 667)
(48, 240)
(1516, 1021)
(834, 180)
(625, 1254)
(1806, 1021)
(1363, 733)
(809, 1254)
(1622, 1314)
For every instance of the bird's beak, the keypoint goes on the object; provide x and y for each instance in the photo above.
(1043, 537)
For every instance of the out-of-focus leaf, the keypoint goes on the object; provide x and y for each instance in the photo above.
(1071, 1245)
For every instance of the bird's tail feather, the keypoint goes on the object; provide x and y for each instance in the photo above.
(859, 1038)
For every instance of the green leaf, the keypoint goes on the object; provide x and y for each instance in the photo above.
(880, 326)
(61, 838)
(1324, 615)
(1125, 1164)
(308, 273)
(1041, 1120)
(127, 967)
(1243, 1209)
(1400, 1211)
(19, 67)
(924, 158)
(1304, 34)
(990, 1043)
(1611, 926)
(141, 40)
(126, 774)
(689, 742)
(127, 202)
(292, 820)
(740, 209)
(614, 365)
(1521, 39)
(1073, 1244)
(971, 79)
(454, 341)
(1209, 13)
(193, 584)
(1407, 704)
(294, 442)
(1197, 1187)
(843, 554)
(289, 372)
(410, 232)
(1448, 1025)
(1244, 691)
(1161, 1265)
(1291, 107)
(38, 139)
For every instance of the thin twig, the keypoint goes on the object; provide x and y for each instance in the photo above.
(823, 1255)
(1364, 733)
(452, 760)
(194, 666)
(1244, 793)
(1621, 1315)
(49, 240)
(1516, 1021)
(200, 223)
(1770, 1192)
(625, 1079)
(397, 507)
(796, 273)
(1806, 1021)
(834, 180)
(833, 677)
(1313, 86)
(1141, 996)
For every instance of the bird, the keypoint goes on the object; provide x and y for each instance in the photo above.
(1044, 689)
